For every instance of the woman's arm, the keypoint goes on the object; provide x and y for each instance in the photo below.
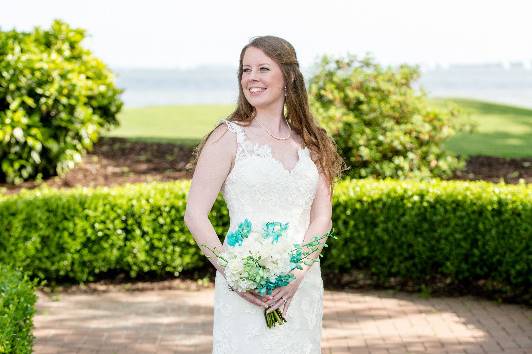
(212, 168)
(320, 221)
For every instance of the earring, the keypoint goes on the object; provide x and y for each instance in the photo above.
(285, 91)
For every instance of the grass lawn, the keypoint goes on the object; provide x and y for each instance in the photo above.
(503, 130)
(180, 124)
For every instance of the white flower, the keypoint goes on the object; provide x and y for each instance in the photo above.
(273, 258)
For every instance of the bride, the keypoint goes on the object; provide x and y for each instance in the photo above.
(271, 161)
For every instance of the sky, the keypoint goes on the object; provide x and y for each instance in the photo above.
(186, 34)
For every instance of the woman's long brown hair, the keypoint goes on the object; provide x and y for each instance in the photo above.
(297, 112)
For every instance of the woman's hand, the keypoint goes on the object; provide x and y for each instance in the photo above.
(252, 297)
(279, 295)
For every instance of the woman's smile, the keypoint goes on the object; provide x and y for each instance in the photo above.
(256, 91)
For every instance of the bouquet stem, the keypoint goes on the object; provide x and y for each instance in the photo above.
(274, 318)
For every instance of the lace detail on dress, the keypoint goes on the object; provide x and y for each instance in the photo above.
(239, 326)
(249, 148)
(261, 189)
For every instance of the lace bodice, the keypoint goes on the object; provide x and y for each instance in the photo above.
(259, 186)
(261, 189)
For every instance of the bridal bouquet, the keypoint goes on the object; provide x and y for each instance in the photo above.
(262, 260)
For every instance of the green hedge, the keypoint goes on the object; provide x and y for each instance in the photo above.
(465, 232)
(17, 301)
(78, 233)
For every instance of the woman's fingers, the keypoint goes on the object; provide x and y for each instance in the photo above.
(274, 307)
(249, 298)
(252, 299)
(275, 292)
(285, 308)
(259, 296)
(255, 294)
(276, 304)
(277, 297)
(258, 301)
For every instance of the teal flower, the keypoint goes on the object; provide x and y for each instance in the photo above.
(236, 237)
(268, 286)
(297, 254)
(245, 227)
(274, 229)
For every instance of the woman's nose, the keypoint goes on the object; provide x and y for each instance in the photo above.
(253, 75)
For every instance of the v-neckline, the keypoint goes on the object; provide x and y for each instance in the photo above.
(270, 151)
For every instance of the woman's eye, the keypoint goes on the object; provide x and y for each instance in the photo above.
(246, 70)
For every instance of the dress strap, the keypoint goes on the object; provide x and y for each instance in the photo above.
(240, 134)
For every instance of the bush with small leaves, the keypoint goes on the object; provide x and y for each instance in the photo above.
(381, 125)
(55, 98)
(474, 234)
(17, 307)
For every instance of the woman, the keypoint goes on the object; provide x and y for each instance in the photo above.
(275, 163)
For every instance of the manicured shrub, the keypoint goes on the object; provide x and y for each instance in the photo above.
(477, 234)
(55, 99)
(382, 126)
(17, 307)
(78, 233)
(467, 234)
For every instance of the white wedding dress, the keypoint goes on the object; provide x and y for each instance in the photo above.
(261, 189)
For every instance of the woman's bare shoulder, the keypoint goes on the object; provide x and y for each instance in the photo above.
(219, 136)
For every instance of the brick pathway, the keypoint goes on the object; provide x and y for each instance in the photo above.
(180, 321)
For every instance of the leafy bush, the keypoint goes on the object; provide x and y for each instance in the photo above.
(382, 127)
(468, 235)
(79, 233)
(475, 234)
(55, 97)
(17, 307)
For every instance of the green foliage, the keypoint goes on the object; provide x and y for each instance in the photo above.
(17, 307)
(55, 98)
(79, 233)
(183, 124)
(381, 125)
(471, 233)
(502, 130)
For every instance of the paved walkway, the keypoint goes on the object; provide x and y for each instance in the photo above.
(180, 321)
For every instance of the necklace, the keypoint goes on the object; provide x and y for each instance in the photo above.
(276, 137)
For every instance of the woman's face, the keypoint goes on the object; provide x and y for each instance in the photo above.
(262, 79)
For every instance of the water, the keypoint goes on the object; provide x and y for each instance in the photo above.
(485, 82)
(218, 84)
(206, 84)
